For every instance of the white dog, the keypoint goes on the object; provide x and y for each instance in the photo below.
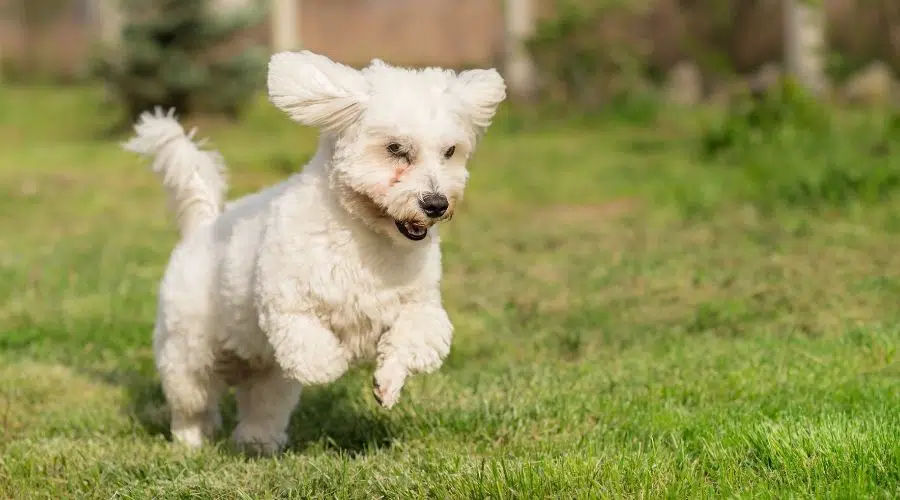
(341, 262)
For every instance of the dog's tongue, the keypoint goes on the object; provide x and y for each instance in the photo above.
(415, 229)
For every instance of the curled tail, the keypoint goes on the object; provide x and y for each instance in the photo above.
(194, 179)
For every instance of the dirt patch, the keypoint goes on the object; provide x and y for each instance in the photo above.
(11, 134)
(577, 214)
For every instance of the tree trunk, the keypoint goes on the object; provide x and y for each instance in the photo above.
(285, 15)
(108, 18)
(804, 43)
(520, 74)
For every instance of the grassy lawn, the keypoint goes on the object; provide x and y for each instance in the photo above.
(625, 328)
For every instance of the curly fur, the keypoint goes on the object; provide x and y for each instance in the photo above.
(341, 262)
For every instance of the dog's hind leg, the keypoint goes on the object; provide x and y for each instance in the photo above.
(195, 410)
(265, 402)
(192, 391)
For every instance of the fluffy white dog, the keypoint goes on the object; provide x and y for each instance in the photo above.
(341, 262)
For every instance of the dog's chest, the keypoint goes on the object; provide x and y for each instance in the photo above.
(357, 305)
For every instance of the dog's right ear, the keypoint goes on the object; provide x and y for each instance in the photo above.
(480, 91)
(316, 91)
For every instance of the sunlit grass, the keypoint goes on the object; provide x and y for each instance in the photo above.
(609, 342)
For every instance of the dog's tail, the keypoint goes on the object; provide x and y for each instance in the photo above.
(194, 179)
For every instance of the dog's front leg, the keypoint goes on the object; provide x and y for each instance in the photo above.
(417, 342)
(305, 350)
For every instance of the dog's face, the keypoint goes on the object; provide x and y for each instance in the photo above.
(402, 138)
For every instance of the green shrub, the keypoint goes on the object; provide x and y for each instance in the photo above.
(179, 53)
(788, 148)
(781, 116)
(588, 60)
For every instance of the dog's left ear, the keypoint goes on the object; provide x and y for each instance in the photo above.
(480, 91)
(316, 91)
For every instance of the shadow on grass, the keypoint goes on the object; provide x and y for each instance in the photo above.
(331, 417)
(334, 418)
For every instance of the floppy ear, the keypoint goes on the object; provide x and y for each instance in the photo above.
(480, 91)
(316, 91)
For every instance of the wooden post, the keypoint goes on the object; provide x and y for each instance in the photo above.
(804, 43)
(520, 22)
(285, 15)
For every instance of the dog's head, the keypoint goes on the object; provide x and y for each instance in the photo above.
(401, 137)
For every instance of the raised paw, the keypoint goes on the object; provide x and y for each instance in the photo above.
(387, 383)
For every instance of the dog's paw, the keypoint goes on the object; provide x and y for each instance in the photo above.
(387, 383)
(255, 442)
(190, 437)
(195, 432)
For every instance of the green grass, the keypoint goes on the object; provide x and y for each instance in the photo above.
(625, 328)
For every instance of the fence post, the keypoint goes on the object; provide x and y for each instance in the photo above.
(804, 43)
(519, 19)
(285, 15)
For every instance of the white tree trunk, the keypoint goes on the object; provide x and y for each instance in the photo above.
(109, 20)
(804, 43)
(520, 22)
(285, 15)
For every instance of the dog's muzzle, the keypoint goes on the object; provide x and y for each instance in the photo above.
(434, 206)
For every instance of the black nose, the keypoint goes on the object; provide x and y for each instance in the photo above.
(434, 205)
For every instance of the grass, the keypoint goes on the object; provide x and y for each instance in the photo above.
(626, 328)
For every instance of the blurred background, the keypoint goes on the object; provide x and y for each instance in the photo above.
(675, 264)
(587, 51)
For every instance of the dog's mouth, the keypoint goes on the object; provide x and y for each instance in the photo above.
(412, 230)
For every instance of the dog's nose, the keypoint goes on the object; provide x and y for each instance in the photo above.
(434, 205)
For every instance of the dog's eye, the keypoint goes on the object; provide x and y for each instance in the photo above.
(395, 149)
(449, 153)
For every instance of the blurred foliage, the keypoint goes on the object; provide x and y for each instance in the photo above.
(174, 53)
(590, 52)
(712, 30)
(35, 17)
(789, 148)
(779, 115)
(35, 14)
(580, 66)
(861, 31)
(775, 146)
